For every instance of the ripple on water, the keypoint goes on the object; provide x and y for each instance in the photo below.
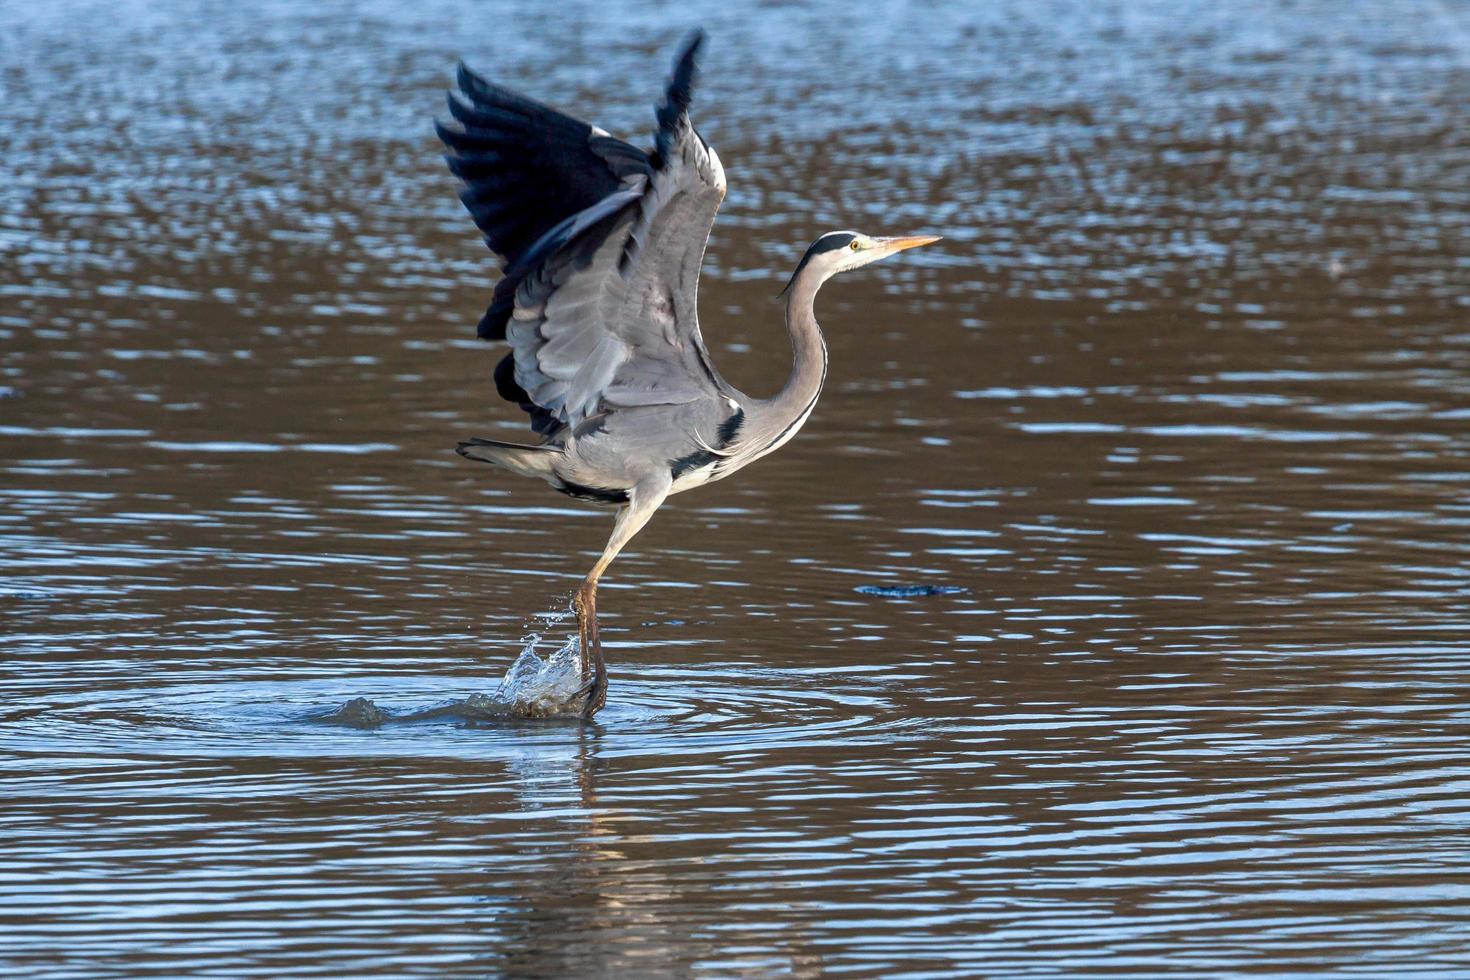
(674, 709)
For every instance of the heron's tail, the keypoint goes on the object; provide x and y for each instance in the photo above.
(532, 461)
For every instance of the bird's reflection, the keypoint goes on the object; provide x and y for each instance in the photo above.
(588, 904)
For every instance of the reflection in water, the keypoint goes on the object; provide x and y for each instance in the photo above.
(587, 910)
(1179, 405)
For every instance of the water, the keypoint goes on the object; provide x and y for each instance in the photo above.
(1173, 422)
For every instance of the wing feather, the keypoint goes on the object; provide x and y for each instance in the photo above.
(602, 245)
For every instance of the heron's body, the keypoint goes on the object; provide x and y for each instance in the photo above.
(601, 245)
(605, 457)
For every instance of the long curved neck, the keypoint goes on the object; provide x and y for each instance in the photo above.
(794, 401)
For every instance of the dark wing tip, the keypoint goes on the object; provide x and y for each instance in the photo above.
(680, 91)
(466, 78)
(681, 84)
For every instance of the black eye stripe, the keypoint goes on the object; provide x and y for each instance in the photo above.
(832, 242)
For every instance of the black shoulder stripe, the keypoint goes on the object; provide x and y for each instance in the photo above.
(704, 457)
(731, 427)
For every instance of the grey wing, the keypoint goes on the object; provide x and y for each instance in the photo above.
(603, 313)
(660, 317)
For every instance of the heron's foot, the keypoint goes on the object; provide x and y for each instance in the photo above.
(594, 671)
(594, 689)
(589, 647)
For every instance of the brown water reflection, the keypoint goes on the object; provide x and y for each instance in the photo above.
(1180, 403)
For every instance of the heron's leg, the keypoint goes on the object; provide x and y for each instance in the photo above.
(643, 500)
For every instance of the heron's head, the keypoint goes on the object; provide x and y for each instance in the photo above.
(839, 251)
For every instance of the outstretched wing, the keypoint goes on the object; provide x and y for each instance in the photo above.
(602, 245)
(527, 169)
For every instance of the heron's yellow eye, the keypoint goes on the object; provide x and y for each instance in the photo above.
(855, 246)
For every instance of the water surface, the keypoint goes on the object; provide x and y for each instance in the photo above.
(1174, 422)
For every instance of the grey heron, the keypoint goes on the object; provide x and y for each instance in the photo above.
(601, 245)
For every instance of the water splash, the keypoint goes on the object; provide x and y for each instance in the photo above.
(533, 687)
(536, 688)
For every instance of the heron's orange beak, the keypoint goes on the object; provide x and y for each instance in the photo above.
(910, 241)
